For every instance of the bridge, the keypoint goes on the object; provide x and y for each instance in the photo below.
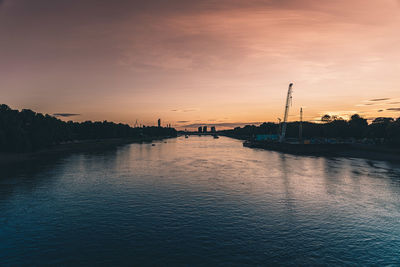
(180, 133)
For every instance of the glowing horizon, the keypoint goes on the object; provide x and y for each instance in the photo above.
(208, 62)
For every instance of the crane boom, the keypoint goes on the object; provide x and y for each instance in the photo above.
(285, 118)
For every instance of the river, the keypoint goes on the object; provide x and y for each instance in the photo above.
(199, 201)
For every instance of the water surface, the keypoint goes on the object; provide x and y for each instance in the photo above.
(199, 201)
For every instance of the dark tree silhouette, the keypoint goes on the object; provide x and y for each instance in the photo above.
(381, 130)
(358, 126)
(326, 118)
(26, 130)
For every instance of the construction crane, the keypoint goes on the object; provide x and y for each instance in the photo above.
(285, 118)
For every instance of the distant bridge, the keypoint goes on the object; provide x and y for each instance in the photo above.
(197, 133)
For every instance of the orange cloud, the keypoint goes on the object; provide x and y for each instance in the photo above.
(126, 60)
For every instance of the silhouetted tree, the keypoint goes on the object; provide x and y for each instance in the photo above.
(357, 127)
(27, 130)
(326, 118)
(380, 127)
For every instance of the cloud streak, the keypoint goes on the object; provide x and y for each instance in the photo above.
(66, 114)
(379, 99)
(185, 110)
(227, 58)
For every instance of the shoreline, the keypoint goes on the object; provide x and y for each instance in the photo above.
(371, 152)
(77, 146)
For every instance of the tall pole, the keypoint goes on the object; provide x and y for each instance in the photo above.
(285, 118)
(301, 126)
(279, 126)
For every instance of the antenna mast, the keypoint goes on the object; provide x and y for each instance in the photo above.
(285, 118)
(301, 126)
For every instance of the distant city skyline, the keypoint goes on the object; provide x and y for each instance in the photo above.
(218, 63)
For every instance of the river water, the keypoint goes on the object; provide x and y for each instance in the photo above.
(199, 201)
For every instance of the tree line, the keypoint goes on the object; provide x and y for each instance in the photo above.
(380, 130)
(26, 130)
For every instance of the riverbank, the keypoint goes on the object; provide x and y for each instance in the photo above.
(373, 152)
(76, 146)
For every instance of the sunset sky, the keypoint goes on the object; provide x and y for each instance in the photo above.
(189, 62)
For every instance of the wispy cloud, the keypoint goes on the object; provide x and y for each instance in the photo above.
(66, 114)
(185, 110)
(379, 99)
(365, 104)
(203, 53)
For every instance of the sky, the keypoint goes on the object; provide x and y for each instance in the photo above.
(215, 62)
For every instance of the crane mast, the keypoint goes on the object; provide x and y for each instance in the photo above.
(285, 118)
